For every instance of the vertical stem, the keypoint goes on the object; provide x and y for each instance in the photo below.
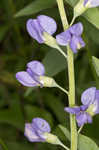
(72, 98)
(71, 95)
(62, 13)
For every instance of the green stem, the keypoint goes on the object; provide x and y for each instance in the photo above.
(62, 13)
(62, 89)
(64, 146)
(72, 98)
(71, 79)
(62, 52)
(80, 129)
(72, 21)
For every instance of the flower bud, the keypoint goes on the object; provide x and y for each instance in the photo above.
(47, 81)
(52, 139)
(83, 5)
(79, 8)
(49, 40)
(92, 109)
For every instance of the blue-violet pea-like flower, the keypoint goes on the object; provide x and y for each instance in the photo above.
(34, 76)
(90, 107)
(35, 131)
(30, 77)
(36, 27)
(91, 3)
(72, 36)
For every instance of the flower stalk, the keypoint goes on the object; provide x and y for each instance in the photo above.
(71, 95)
(60, 4)
(80, 129)
(72, 98)
(62, 89)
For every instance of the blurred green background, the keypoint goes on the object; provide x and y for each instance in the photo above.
(19, 104)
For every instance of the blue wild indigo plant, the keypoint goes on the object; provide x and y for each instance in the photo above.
(42, 29)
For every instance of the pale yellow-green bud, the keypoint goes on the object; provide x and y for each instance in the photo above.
(80, 8)
(50, 40)
(51, 138)
(91, 110)
(47, 81)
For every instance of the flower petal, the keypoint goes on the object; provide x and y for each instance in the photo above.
(63, 38)
(25, 79)
(83, 107)
(81, 118)
(96, 103)
(31, 134)
(71, 110)
(36, 67)
(94, 3)
(88, 96)
(76, 43)
(81, 42)
(85, 2)
(73, 43)
(76, 29)
(47, 23)
(41, 124)
(89, 118)
(35, 30)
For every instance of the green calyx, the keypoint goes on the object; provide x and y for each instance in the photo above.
(47, 81)
(90, 110)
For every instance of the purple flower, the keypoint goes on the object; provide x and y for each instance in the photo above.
(91, 3)
(72, 36)
(35, 131)
(90, 107)
(30, 77)
(36, 27)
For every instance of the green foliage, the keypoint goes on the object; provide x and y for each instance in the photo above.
(96, 64)
(35, 7)
(53, 59)
(84, 142)
(91, 15)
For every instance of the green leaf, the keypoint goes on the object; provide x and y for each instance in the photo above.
(54, 62)
(92, 16)
(35, 7)
(72, 2)
(96, 64)
(65, 131)
(84, 142)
